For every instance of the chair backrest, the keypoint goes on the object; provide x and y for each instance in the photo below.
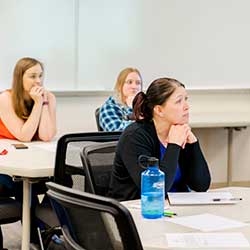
(97, 160)
(97, 114)
(68, 166)
(93, 222)
(10, 210)
(64, 169)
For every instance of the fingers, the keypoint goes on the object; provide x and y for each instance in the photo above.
(182, 134)
(178, 134)
(37, 90)
(191, 138)
(45, 95)
(184, 144)
(37, 93)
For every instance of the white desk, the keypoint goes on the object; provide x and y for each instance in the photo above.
(152, 232)
(27, 164)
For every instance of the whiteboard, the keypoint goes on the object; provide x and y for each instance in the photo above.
(86, 43)
(43, 30)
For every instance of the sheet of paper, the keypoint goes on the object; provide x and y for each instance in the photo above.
(207, 222)
(207, 240)
(199, 198)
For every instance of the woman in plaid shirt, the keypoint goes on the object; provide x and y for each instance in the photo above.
(116, 112)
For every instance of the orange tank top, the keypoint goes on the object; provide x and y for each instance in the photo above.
(4, 132)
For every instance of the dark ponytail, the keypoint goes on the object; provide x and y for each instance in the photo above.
(157, 93)
(140, 107)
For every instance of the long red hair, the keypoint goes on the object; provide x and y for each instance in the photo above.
(22, 107)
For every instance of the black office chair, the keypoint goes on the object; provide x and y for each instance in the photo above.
(97, 114)
(68, 172)
(62, 169)
(70, 162)
(93, 222)
(97, 160)
(10, 211)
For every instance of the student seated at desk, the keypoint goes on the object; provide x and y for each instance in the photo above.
(116, 112)
(161, 130)
(27, 112)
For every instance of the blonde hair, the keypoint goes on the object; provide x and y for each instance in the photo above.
(22, 108)
(121, 80)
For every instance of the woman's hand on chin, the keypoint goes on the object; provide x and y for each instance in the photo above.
(191, 137)
(178, 134)
(36, 93)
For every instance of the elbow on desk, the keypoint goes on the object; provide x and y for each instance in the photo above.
(47, 138)
(201, 185)
(24, 138)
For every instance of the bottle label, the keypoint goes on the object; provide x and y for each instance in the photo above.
(158, 185)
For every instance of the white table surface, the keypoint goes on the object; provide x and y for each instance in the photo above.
(27, 164)
(152, 232)
(30, 165)
(32, 162)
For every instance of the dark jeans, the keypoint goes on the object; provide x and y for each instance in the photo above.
(7, 186)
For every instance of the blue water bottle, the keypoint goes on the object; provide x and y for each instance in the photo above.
(152, 190)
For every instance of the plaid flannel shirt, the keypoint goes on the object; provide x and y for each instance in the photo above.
(114, 116)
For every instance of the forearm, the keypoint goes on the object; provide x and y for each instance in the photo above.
(47, 125)
(29, 128)
(169, 164)
(196, 168)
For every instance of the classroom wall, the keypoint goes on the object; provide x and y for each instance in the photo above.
(75, 113)
(84, 44)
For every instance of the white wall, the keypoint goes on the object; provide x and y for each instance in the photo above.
(43, 30)
(85, 43)
(76, 113)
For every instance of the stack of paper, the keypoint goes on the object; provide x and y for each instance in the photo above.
(199, 198)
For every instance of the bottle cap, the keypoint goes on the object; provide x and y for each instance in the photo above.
(152, 161)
